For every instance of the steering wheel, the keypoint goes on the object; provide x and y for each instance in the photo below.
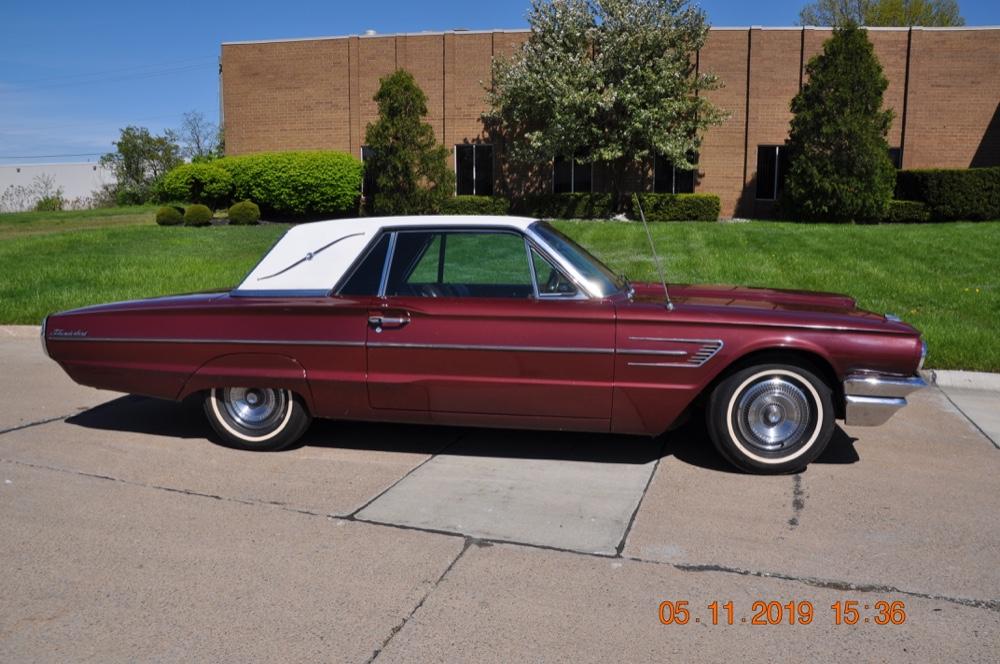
(552, 284)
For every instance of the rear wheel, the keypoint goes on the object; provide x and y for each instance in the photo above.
(256, 418)
(771, 418)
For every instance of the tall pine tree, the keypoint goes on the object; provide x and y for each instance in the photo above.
(410, 168)
(839, 166)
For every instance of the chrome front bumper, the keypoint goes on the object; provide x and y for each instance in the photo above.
(871, 399)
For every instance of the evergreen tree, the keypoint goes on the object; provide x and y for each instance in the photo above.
(410, 168)
(839, 166)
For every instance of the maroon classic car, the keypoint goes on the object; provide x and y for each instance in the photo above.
(498, 322)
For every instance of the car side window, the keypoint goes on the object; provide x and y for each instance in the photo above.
(460, 264)
(367, 276)
(551, 280)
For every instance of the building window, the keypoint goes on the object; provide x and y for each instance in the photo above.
(772, 165)
(369, 186)
(571, 176)
(668, 179)
(896, 157)
(474, 169)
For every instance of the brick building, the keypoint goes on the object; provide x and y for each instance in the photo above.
(944, 86)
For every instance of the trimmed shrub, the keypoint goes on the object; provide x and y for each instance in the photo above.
(953, 194)
(906, 212)
(198, 215)
(479, 205)
(197, 183)
(393, 205)
(566, 206)
(244, 213)
(169, 215)
(677, 207)
(291, 185)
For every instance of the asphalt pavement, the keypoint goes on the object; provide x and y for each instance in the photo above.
(127, 533)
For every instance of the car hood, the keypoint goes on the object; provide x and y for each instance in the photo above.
(762, 298)
(771, 306)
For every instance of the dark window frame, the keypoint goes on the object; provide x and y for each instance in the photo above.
(390, 233)
(477, 149)
(369, 186)
(573, 188)
(779, 166)
(693, 174)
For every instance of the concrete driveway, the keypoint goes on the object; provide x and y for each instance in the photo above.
(126, 534)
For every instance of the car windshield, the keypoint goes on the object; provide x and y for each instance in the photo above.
(599, 276)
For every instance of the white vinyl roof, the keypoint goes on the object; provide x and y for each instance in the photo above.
(314, 256)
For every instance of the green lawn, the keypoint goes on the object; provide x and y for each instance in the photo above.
(944, 278)
(17, 224)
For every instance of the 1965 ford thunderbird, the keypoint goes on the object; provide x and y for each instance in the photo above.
(499, 322)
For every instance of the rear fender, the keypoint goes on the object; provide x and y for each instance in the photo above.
(250, 370)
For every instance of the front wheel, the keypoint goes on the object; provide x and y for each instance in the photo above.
(256, 418)
(771, 418)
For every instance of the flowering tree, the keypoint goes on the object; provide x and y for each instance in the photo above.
(612, 81)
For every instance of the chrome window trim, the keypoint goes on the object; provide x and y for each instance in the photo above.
(580, 293)
(390, 253)
(555, 257)
(583, 293)
(531, 267)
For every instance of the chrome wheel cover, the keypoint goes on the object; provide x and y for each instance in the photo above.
(773, 414)
(255, 408)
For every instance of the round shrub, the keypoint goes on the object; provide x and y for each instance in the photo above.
(197, 183)
(169, 215)
(244, 213)
(198, 215)
(289, 185)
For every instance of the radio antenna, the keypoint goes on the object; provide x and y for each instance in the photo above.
(656, 258)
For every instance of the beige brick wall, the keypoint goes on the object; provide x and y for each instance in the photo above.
(954, 99)
(721, 161)
(317, 94)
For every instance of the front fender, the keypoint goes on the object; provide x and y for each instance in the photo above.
(250, 370)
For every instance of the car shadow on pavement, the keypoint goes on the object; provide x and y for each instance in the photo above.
(689, 443)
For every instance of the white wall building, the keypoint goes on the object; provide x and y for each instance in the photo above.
(77, 180)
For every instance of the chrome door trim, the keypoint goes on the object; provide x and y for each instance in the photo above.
(262, 342)
(483, 347)
(707, 349)
(634, 351)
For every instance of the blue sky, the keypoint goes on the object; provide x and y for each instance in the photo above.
(72, 73)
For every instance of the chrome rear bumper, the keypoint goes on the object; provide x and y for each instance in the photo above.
(871, 399)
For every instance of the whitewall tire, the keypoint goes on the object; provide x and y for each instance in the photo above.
(256, 418)
(771, 418)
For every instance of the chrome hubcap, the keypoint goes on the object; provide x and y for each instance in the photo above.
(773, 414)
(255, 408)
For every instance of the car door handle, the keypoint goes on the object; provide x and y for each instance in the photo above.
(378, 322)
